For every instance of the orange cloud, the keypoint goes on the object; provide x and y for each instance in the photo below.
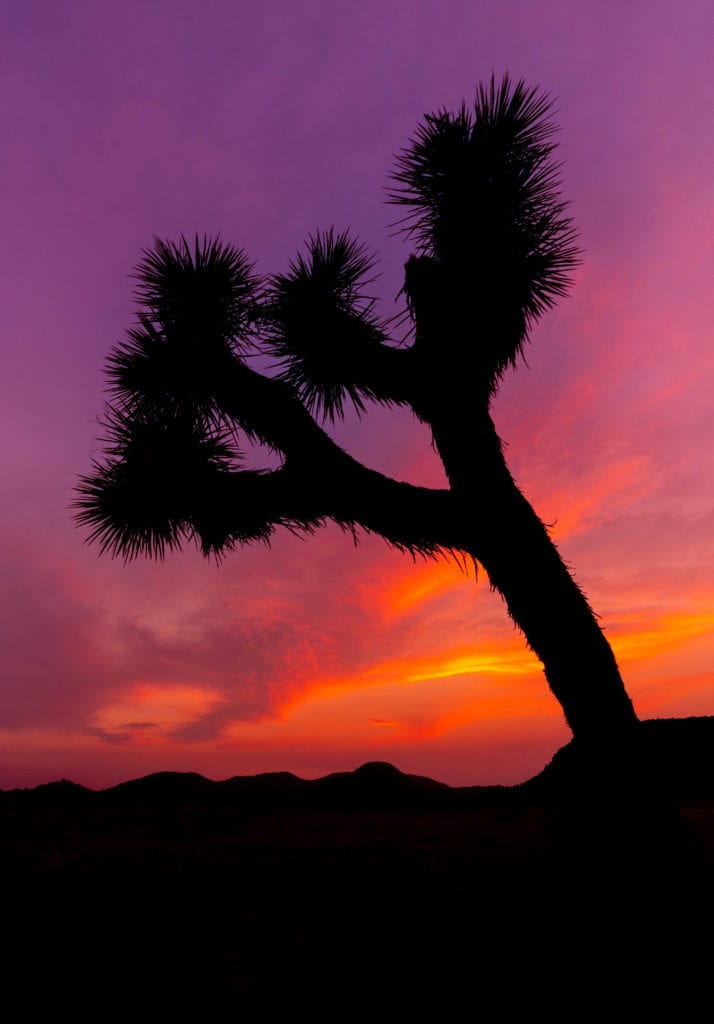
(422, 584)
(659, 636)
(154, 706)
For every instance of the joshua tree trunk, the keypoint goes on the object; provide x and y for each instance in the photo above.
(517, 552)
(524, 565)
(453, 375)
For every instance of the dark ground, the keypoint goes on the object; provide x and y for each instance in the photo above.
(174, 898)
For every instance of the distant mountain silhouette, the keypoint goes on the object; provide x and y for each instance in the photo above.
(377, 782)
(373, 785)
(162, 786)
(51, 794)
(680, 750)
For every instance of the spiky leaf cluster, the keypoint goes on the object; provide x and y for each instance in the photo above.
(139, 501)
(203, 293)
(483, 199)
(320, 322)
(165, 480)
(198, 306)
(168, 449)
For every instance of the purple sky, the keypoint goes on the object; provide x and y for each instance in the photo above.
(265, 122)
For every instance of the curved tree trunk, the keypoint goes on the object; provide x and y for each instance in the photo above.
(524, 565)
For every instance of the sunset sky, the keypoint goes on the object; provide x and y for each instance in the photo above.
(263, 122)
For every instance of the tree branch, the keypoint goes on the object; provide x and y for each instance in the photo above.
(414, 519)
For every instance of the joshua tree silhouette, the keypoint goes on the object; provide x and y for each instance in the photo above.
(494, 250)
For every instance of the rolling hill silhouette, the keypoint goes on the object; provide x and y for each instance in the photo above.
(681, 750)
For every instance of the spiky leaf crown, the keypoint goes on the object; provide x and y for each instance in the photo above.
(205, 292)
(319, 319)
(483, 198)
